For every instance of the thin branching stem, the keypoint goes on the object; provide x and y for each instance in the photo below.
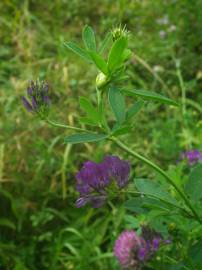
(162, 172)
(52, 123)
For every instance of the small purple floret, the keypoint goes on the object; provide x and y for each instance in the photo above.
(37, 93)
(27, 105)
(34, 103)
(94, 178)
(156, 243)
(142, 253)
(192, 156)
(118, 169)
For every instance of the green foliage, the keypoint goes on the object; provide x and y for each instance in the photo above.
(194, 185)
(40, 226)
(117, 103)
(115, 58)
(149, 96)
(105, 43)
(89, 38)
(90, 110)
(99, 62)
(82, 138)
(153, 189)
(79, 51)
(195, 254)
(134, 109)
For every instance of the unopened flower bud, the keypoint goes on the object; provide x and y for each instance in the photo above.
(101, 80)
(119, 32)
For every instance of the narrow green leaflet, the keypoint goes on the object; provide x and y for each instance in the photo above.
(117, 103)
(126, 54)
(151, 188)
(140, 205)
(84, 138)
(149, 96)
(194, 185)
(134, 109)
(121, 130)
(99, 62)
(89, 38)
(90, 110)
(87, 121)
(116, 53)
(79, 51)
(105, 42)
(136, 205)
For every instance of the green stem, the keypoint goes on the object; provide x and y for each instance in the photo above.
(194, 104)
(183, 88)
(52, 123)
(63, 170)
(99, 98)
(164, 174)
(104, 125)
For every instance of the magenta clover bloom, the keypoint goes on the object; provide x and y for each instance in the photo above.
(129, 249)
(94, 178)
(133, 251)
(38, 100)
(192, 156)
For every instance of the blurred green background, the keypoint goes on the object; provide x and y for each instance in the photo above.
(40, 228)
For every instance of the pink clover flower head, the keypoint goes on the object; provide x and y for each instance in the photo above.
(128, 247)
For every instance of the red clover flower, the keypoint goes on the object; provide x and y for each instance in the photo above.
(94, 178)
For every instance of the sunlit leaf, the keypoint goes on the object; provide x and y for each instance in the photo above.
(99, 62)
(116, 53)
(89, 38)
(79, 51)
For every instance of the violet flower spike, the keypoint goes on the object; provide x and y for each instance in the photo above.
(37, 93)
(192, 156)
(119, 170)
(27, 105)
(94, 178)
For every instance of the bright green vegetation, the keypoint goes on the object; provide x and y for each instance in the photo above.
(40, 228)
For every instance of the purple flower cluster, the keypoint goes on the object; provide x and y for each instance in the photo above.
(38, 100)
(94, 178)
(192, 156)
(132, 251)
